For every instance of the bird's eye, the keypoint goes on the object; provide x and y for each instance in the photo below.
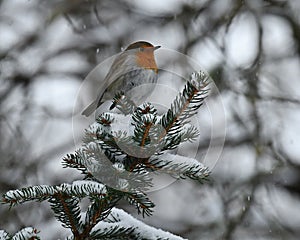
(141, 49)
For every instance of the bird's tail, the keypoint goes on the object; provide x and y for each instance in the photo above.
(90, 109)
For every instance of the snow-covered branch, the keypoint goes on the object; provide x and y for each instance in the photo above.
(28, 233)
(118, 218)
(180, 166)
(43, 192)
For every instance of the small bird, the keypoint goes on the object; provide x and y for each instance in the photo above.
(133, 67)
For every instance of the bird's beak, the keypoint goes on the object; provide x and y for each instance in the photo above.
(156, 47)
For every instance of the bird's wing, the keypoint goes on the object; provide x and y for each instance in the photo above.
(113, 80)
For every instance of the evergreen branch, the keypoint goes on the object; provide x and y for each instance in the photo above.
(141, 231)
(105, 119)
(137, 162)
(65, 202)
(96, 212)
(182, 134)
(200, 80)
(147, 127)
(83, 188)
(76, 161)
(138, 156)
(107, 154)
(98, 140)
(182, 167)
(112, 232)
(179, 108)
(27, 233)
(143, 119)
(189, 134)
(141, 202)
(117, 176)
(111, 145)
(123, 103)
(40, 193)
(43, 192)
(144, 142)
(185, 105)
(132, 148)
(4, 235)
(99, 210)
(67, 210)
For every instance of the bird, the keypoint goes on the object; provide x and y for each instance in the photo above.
(133, 67)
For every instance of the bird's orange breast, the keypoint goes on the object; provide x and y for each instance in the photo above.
(146, 60)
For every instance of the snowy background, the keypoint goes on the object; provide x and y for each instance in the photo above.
(251, 48)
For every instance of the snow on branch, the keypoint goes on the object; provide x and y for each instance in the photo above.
(28, 233)
(44, 192)
(4, 235)
(41, 192)
(83, 188)
(118, 218)
(180, 166)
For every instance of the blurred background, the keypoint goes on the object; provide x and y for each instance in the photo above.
(250, 48)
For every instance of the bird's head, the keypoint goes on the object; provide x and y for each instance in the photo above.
(144, 52)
